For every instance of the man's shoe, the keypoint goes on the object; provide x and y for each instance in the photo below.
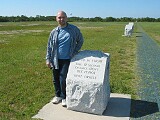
(56, 100)
(64, 103)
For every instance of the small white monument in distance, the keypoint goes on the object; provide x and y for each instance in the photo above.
(128, 29)
(88, 88)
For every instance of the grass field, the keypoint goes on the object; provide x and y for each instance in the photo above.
(25, 81)
(153, 30)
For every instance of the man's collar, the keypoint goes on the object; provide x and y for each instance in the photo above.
(67, 26)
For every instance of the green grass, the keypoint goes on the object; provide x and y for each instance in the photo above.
(26, 83)
(153, 29)
(108, 38)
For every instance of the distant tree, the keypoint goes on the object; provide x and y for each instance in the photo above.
(32, 18)
(158, 20)
(98, 19)
(71, 19)
(51, 18)
(3, 19)
(24, 18)
(110, 19)
(126, 19)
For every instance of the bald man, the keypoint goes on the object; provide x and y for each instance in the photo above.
(64, 42)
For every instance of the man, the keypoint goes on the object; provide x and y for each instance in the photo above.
(64, 42)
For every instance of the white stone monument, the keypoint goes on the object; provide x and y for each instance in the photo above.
(88, 88)
(128, 29)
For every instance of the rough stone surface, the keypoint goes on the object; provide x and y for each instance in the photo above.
(129, 29)
(88, 88)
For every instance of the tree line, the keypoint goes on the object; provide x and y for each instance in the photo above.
(23, 18)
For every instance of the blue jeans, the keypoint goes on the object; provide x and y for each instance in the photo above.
(59, 78)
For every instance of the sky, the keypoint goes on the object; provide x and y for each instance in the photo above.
(82, 8)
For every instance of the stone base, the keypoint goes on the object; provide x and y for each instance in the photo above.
(118, 108)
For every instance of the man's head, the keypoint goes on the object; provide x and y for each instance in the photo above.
(61, 18)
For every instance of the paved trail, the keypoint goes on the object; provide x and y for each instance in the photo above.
(148, 58)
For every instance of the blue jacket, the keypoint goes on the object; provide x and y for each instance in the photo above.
(76, 44)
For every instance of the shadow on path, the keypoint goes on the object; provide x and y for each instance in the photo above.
(118, 107)
(143, 108)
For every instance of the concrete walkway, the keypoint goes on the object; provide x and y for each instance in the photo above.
(118, 108)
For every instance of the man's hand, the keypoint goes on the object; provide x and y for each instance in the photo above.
(48, 64)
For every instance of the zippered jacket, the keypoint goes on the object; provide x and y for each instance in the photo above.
(76, 44)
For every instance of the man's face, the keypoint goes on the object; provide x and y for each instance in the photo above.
(61, 19)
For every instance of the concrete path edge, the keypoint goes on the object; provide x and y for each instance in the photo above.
(118, 108)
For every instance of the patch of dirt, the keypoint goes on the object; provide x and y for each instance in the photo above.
(157, 37)
(20, 31)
